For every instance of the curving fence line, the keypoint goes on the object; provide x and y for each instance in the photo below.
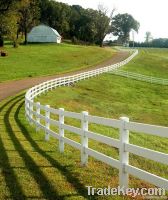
(41, 117)
(140, 77)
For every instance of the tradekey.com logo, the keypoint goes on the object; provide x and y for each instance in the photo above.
(147, 193)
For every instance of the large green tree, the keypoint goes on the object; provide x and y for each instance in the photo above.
(56, 15)
(82, 23)
(8, 18)
(77, 18)
(29, 16)
(88, 25)
(122, 24)
(102, 23)
(5, 5)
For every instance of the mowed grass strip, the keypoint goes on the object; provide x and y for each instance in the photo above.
(48, 59)
(151, 62)
(112, 96)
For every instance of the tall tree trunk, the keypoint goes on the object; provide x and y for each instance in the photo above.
(25, 42)
(1, 41)
(101, 43)
(17, 36)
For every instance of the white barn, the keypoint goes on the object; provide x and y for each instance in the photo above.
(44, 34)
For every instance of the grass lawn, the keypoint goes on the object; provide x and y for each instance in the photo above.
(151, 62)
(112, 96)
(31, 168)
(48, 59)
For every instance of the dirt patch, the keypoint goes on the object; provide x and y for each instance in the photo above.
(11, 88)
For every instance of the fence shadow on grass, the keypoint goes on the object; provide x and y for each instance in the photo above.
(73, 180)
(48, 191)
(11, 100)
(11, 179)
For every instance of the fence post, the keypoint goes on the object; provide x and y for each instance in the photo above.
(47, 123)
(68, 81)
(55, 84)
(58, 82)
(61, 130)
(28, 111)
(49, 86)
(31, 113)
(43, 90)
(84, 139)
(84, 76)
(38, 113)
(123, 155)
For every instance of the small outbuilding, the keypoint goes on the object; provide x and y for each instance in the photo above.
(43, 34)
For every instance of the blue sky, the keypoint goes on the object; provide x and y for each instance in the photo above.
(152, 14)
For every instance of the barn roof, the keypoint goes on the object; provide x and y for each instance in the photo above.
(45, 29)
(55, 32)
(43, 33)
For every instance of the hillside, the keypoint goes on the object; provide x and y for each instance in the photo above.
(49, 59)
(151, 62)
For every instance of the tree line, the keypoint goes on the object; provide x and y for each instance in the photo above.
(155, 43)
(17, 17)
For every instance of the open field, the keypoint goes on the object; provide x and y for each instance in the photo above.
(31, 168)
(151, 62)
(34, 169)
(26, 158)
(49, 59)
(113, 97)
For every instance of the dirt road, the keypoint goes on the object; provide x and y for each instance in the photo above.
(11, 88)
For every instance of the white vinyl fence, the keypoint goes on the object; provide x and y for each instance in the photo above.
(140, 77)
(34, 114)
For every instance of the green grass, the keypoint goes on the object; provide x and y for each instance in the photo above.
(151, 62)
(48, 59)
(113, 97)
(31, 168)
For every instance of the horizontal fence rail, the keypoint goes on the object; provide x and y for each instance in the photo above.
(40, 115)
(140, 77)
